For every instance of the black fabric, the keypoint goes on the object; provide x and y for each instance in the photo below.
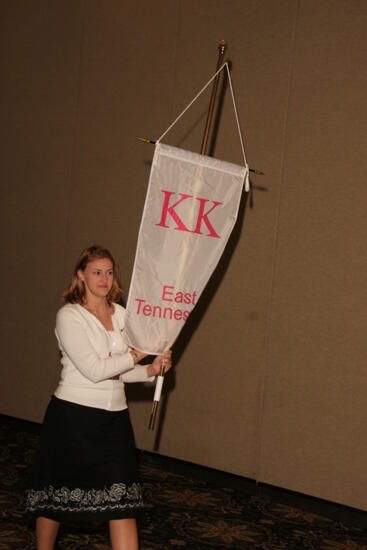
(85, 466)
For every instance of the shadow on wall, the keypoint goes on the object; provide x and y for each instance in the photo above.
(138, 392)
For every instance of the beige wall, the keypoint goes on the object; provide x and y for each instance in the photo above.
(270, 379)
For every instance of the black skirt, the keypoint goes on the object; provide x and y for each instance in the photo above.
(86, 466)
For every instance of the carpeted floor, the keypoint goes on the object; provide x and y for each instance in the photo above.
(183, 511)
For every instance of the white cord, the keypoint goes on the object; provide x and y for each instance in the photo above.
(247, 176)
(247, 181)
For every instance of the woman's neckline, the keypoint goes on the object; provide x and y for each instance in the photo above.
(99, 321)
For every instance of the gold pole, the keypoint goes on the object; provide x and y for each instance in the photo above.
(222, 48)
(153, 415)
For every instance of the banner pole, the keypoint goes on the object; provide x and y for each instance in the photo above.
(209, 119)
(222, 48)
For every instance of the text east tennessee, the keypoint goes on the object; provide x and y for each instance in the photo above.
(175, 311)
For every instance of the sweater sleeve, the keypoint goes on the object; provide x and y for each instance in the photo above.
(137, 374)
(76, 345)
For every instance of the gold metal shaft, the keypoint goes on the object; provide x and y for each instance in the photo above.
(209, 119)
(153, 415)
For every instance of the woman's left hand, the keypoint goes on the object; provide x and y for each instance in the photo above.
(164, 360)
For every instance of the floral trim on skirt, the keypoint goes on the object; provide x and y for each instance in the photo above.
(117, 497)
(86, 466)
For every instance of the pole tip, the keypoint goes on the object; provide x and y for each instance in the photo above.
(145, 140)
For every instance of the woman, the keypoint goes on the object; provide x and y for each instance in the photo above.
(86, 464)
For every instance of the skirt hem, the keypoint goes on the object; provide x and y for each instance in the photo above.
(73, 517)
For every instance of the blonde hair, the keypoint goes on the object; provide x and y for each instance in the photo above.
(75, 294)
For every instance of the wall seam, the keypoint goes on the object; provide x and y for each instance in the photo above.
(174, 57)
(146, 440)
(74, 137)
(263, 383)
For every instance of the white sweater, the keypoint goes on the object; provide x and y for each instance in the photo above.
(87, 367)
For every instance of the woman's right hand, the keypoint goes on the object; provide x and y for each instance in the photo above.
(164, 360)
(137, 355)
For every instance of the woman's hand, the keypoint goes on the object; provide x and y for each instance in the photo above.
(164, 360)
(137, 355)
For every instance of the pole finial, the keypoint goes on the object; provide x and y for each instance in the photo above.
(222, 46)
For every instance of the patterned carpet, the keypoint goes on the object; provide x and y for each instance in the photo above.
(182, 511)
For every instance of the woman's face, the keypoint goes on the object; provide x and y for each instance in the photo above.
(97, 277)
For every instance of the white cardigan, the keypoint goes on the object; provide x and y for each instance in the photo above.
(91, 356)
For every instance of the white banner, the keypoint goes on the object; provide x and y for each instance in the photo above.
(190, 210)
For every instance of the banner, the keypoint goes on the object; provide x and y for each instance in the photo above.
(190, 209)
